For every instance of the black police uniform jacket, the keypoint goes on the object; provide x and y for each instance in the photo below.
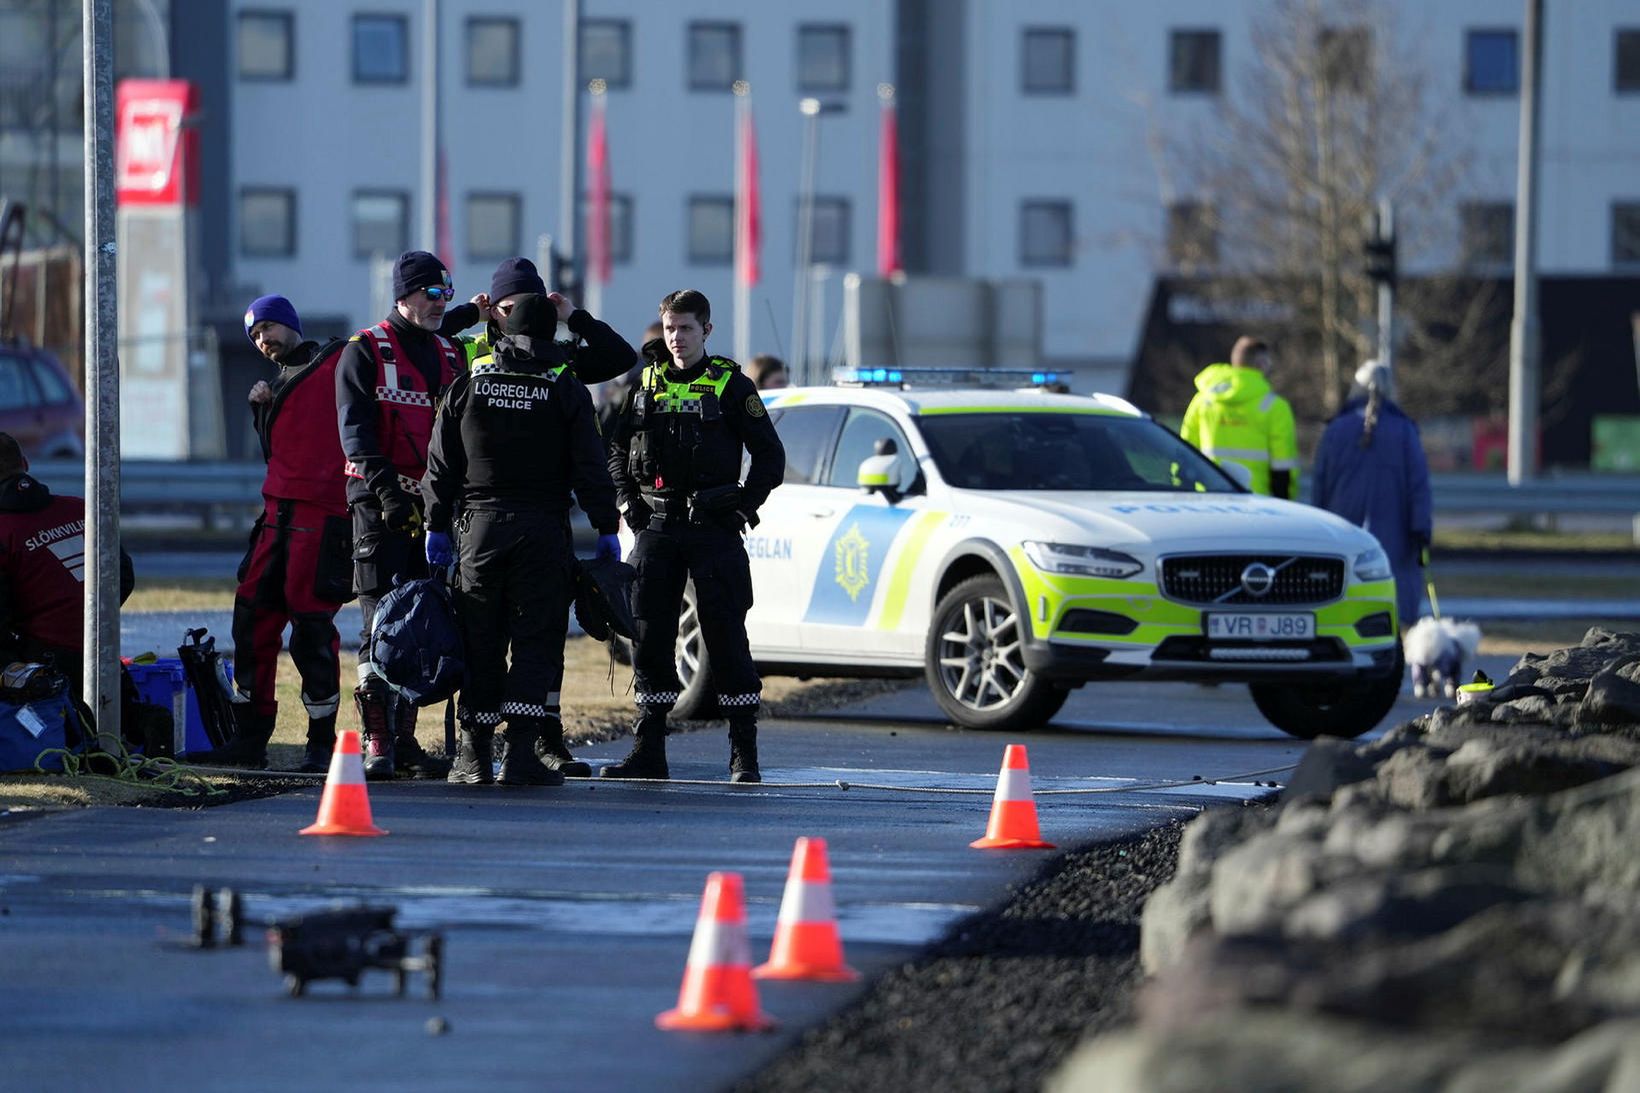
(517, 433)
(681, 454)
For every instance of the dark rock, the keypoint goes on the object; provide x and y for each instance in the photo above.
(1328, 764)
(1613, 696)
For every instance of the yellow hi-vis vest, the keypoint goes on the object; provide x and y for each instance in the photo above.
(1236, 418)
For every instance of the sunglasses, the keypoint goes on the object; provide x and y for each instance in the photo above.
(439, 292)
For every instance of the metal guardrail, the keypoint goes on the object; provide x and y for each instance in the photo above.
(222, 493)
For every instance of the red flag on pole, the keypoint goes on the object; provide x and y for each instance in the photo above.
(748, 211)
(598, 249)
(888, 187)
(441, 211)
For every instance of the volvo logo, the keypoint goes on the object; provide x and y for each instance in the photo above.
(1258, 579)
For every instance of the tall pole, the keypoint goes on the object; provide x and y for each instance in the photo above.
(102, 381)
(1386, 288)
(805, 241)
(430, 134)
(1524, 380)
(743, 285)
(569, 158)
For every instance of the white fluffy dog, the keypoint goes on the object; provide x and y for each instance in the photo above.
(1438, 651)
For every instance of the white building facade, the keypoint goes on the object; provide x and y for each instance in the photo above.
(1027, 134)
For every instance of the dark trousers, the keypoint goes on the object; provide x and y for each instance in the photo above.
(379, 555)
(513, 590)
(290, 576)
(666, 556)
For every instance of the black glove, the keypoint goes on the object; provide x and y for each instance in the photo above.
(637, 515)
(399, 511)
(723, 504)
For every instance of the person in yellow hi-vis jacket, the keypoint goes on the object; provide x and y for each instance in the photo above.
(1235, 417)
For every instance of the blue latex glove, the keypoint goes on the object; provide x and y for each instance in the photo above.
(439, 551)
(609, 546)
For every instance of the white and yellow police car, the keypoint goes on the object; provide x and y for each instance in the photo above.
(1011, 545)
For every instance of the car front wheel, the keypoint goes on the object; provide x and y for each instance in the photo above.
(1328, 709)
(975, 662)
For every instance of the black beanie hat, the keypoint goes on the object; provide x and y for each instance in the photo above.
(513, 276)
(417, 269)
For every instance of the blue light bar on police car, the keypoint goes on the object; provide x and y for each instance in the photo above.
(930, 377)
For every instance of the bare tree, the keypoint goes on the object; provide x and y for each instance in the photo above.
(1331, 117)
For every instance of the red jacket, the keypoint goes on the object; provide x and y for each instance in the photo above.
(405, 406)
(298, 431)
(42, 565)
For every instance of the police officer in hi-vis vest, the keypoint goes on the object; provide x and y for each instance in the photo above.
(675, 457)
(388, 382)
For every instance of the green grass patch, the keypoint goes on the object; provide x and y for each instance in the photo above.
(182, 594)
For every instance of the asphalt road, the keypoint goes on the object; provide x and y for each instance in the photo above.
(567, 912)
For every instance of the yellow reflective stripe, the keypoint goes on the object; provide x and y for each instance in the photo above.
(1283, 464)
(899, 585)
(1267, 401)
(1096, 410)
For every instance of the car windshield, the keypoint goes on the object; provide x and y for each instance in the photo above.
(998, 450)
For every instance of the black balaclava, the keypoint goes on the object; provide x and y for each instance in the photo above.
(530, 327)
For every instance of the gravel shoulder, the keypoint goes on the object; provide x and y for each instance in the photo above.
(1003, 999)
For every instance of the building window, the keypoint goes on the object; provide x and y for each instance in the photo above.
(620, 227)
(492, 52)
(714, 56)
(492, 225)
(1626, 234)
(606, 51)
(711, 231)
(1047, 61)
(828, 231)
(1487, 233)
(381, 49)
(1194, 62)
(1045, 230)
(1192, 235)
(265, 51)
(1346, 57)
(822, 58)
(381, 223)
(267, 222)
(1626, 62)
(1491, 62)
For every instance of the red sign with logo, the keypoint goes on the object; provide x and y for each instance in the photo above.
(156, 150)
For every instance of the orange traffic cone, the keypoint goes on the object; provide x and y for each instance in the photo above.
(345, 807)
(1013, 813)
(718, 994)
(806, 942)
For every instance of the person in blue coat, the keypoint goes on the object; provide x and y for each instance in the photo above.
(1370, 469)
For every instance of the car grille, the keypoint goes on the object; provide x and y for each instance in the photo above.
(1216, 579)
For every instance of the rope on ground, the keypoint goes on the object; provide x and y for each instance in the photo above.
(141, 772)
(842, 784)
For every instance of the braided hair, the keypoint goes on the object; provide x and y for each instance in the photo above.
(1375, 379)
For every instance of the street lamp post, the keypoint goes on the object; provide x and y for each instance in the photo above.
(811, 110)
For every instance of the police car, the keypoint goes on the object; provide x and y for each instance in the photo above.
(1012, 545)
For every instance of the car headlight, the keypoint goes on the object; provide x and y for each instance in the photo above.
(1082, 561)
(1373, 565)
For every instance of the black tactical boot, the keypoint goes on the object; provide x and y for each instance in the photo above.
(321, 744)
(743, 751)
(474, 765)
(409, 760)
(521, 767)
(552, 751)
(647, 759)
(375, 704)
(247, 747)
